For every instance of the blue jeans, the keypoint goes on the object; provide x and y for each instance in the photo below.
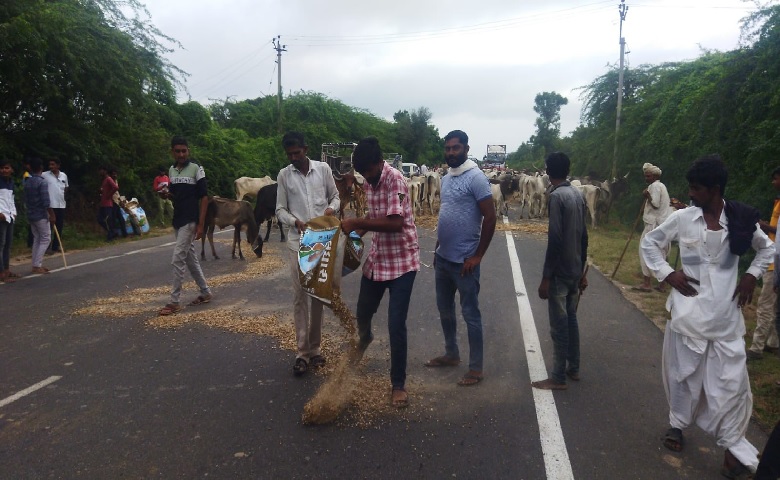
(371, 293)
(565, 333)
(448, 281)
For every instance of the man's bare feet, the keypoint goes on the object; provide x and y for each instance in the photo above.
(549, 384)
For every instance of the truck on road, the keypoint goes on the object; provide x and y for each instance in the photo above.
(495, 157)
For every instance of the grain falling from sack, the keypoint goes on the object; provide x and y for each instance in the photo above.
(335, 395)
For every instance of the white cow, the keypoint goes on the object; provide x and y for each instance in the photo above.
(415, 190)
(433, 183)
(498, 197)
(250, 186)
(592, 196)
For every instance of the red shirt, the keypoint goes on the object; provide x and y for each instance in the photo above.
(158, 180)
(392, 253)
(107, 190)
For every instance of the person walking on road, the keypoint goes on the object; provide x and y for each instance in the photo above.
(765, 335)
(564, 276)
(39, 214)
(467, 221)
(704, 359)
(188, 190)
(393, 260)
(657, 209)
(306, 190)
(58, 187)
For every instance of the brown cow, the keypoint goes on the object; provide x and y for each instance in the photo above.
(222, 212)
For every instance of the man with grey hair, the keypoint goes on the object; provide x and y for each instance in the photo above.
(656, 209)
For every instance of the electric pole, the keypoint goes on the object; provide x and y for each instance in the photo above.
(279, 49)
(622, 9)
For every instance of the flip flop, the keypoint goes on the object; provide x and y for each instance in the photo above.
(443, 361)
(317, 361)
(400, 402)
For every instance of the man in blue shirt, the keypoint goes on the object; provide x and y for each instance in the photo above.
(467, 221)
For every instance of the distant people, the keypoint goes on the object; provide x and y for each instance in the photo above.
(657, 209)
(106, 206)
(25, 176)
(564, 276)
(58, 187)
(164, 205)
(467, 221)
(188, 190)
(118, 209)
(765, 334)
(306, 190)
(704, 368)
(393, 260)
(7, 218)
(423, 169)
(398, 162)
(39, 213)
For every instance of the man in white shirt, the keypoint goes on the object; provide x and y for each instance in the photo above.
(657, 209)
(306, 190)
(58, 186)
(704, 359)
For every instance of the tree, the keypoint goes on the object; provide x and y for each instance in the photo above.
(548, 123)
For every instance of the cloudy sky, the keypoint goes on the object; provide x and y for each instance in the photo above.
(476, 65)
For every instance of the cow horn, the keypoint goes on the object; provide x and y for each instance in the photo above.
(337, 176)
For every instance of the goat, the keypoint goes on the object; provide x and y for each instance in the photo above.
(222, 212)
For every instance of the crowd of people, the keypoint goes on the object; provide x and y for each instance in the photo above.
(704, 354)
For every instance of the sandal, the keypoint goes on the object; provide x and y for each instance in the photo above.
(169, 309)
(443, 361)
(300, 367)
(402, 401)
(469, 379)
(317, 361)
(201, 299)
(673, 440)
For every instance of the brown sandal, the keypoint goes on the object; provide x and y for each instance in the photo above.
(402, 401)
(443, 361)
(201, 300)
(169, 309)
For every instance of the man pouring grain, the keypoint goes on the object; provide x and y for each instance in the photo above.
(306, 190)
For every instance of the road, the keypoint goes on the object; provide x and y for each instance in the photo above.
(115, 395)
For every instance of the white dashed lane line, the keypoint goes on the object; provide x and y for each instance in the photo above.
(29, 390)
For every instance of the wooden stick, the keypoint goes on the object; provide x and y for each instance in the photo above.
(62, 248)
(630, 236)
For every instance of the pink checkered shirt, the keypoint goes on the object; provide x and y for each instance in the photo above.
(392, 253)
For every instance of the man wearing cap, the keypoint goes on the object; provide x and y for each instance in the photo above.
(656, 209)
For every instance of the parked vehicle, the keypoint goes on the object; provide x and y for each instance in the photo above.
(409, 169)
(338, 156)
(495, 157)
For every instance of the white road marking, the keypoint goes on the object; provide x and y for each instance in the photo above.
(556, 457)
(111, 257)
(28, 390)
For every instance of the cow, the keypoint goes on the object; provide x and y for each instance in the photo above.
(433, 190)
(222, 212)
(265, 209)
(415, 193)
(250, 186)
(498, 197)
(593, 195)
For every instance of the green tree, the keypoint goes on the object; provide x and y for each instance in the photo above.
(548, 124)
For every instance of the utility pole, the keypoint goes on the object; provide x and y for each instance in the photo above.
(279, 49)
(622, 9)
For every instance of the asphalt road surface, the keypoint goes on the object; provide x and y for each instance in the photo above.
(109, 396)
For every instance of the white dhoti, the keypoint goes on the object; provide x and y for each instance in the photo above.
(707, 384)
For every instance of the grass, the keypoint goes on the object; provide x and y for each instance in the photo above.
(605, 247)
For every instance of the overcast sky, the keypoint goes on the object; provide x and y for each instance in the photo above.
(476, 65)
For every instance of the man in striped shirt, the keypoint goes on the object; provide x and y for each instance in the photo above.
(393, 260)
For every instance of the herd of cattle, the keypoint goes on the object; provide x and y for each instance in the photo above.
(528, 189)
